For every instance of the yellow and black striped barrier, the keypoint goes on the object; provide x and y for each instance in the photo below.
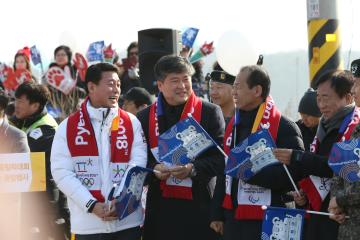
(324, 47)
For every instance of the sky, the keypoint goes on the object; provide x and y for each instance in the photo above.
(270, 25)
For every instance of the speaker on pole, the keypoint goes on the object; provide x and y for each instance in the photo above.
(153, 44)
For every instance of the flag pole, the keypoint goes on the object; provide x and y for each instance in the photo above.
(264, 207)
(323, 213)
(42, 69)
(149, 169)
(291, 179)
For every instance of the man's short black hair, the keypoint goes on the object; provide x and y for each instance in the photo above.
(258, 76)
(94, 72)
(340, 80)
(172, 64)
(34, 92)
(139, 96)
(4, 100)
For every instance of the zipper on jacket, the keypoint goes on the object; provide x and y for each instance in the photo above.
(105, 115)
(100, 143)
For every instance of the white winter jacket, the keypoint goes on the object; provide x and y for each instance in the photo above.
(63, 171)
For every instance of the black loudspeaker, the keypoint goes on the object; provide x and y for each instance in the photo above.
(153, 44)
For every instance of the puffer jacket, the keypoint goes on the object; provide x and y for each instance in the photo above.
(79, 197)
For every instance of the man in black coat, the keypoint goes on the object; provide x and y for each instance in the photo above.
(339, 117)
(256, 110)
(178, 199)
(220, 84)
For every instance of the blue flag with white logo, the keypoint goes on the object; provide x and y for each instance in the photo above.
(282, 224)
(183, 142)
(251, 155)
(344, 160)
(128, 198)
(95, 51)
(35, 55)
(189, 36)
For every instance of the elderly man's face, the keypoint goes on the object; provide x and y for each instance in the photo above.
(329, 101)
(244, 97)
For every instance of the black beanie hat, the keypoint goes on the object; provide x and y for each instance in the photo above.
(355, 68)
(308, 104)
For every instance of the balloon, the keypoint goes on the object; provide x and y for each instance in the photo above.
(234, 51)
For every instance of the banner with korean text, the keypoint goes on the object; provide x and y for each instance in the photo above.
(22, 172)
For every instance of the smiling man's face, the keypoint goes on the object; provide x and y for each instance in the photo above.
(106, 93)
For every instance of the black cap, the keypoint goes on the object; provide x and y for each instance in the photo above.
(355, 68)
(222, 77)
(308, 104)
(139, 95)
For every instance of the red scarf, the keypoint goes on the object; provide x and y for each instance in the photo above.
(267, 117)
(172, 188)
(316, 188)
(83, 147)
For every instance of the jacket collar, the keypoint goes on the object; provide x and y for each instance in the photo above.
(105, 115)
(27, 122)
(247, 118)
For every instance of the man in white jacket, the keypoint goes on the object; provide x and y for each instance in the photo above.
(90, 153)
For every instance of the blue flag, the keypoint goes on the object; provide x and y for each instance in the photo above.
(189, 36)
(251, 155)
(282, 224)
(344, 160)
(183, 142)
(95, 51)
(35, 55)
(131, 187)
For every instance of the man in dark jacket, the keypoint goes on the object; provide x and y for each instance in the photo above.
(178, 199)
(32, 118)
(220, 92)
(256, 110)
(339, 118)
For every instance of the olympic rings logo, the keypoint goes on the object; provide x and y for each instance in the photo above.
(88, 182)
